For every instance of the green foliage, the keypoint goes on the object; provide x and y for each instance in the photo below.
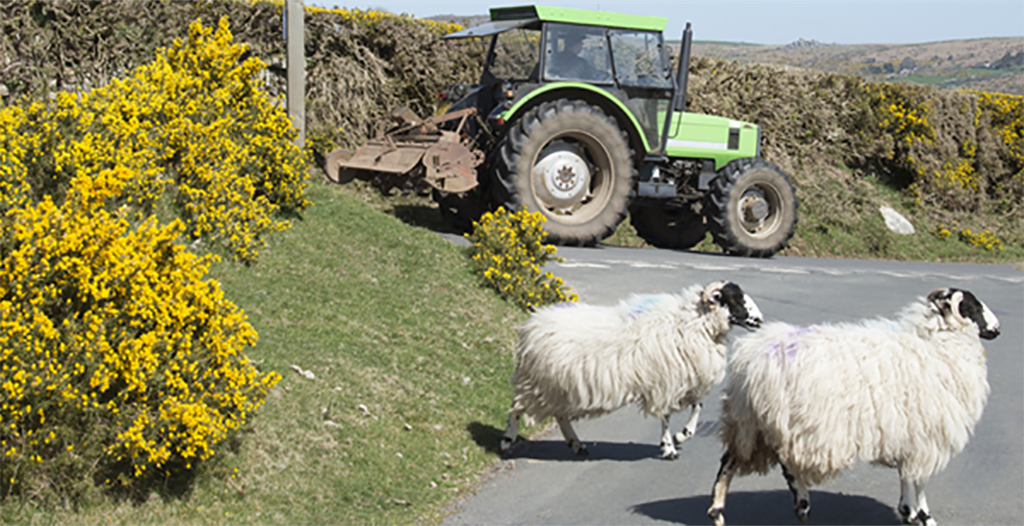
(508, 253)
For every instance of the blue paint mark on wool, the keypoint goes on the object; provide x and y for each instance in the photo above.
(785, 350)
(641, 304)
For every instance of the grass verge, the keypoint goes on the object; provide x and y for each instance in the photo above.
(409, 360)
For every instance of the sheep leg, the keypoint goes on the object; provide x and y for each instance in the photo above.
(801, 497)
(570, 437)
(721, 487)
(511, 430)
(923, 515)
(691, 425)
(668, 448)
(913, 505)
(908, 499)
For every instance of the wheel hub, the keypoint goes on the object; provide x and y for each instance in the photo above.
(754, 209)
(563, 174)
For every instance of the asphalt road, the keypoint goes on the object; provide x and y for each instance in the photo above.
(622, 481)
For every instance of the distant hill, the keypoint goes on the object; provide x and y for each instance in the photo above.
(987, 64)
(465, 21)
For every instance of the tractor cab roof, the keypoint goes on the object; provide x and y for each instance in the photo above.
(531, 16)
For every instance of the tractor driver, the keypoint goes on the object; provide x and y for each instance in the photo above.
(568, 64)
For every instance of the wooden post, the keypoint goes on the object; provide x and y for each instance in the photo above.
(294, 34)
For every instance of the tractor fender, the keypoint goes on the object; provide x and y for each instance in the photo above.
(590, 94)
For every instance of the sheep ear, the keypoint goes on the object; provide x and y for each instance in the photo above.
(945, 299)
(713, 292)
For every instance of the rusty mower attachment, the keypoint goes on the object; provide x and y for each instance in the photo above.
(413, 155)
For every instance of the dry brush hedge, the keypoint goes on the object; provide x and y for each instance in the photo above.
(958, 154)
(359, 64)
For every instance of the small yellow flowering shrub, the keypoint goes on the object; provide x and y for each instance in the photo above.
(903, 115)
(120, 362)
(508, 253)
(194, 125)
(986, 239)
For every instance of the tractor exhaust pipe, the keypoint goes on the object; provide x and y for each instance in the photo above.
(679, 97)
(679, 104)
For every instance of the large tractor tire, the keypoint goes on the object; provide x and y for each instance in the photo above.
(571, 162)
(667, 224)
(751, 208)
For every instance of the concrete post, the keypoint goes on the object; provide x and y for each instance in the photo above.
(295, 33)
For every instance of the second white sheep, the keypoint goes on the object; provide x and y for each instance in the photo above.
(903, 393)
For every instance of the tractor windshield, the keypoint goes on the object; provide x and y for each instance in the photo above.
(640, 59)
(515, 55)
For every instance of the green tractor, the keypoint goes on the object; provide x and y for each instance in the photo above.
(578, 115)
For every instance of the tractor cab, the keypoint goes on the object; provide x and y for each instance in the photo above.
(536, 50)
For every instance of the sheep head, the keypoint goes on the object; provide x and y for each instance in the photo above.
(742, 309)
(960, 308)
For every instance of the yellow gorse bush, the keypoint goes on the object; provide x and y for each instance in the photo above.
(508, 253)
(119, 359)
(1007, 119)
(194, 125)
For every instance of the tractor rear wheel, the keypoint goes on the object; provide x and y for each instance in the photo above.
(751, 208)
(667, 224)
(571, 162)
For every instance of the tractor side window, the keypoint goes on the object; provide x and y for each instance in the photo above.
(576, 53)
(515, 54)
(640, 59)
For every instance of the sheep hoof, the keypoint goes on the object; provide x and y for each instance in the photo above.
(668, 452)
(506, 447)
(905, 514)
(580, 449)
(803, 511)
(717, 516)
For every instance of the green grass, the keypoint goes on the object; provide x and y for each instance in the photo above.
(386, 317)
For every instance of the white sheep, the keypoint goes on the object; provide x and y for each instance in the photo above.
(904, 394)
(661, 351)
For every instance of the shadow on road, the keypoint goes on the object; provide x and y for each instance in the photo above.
(558, 450)
(772, 507)
(489, 438)
(486, 436)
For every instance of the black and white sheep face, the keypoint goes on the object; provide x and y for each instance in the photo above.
(961, 308)
(742, 309)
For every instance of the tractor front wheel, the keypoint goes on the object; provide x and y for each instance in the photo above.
(571, 162)
(751, 208)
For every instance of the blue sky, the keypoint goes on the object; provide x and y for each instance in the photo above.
(775, 22)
